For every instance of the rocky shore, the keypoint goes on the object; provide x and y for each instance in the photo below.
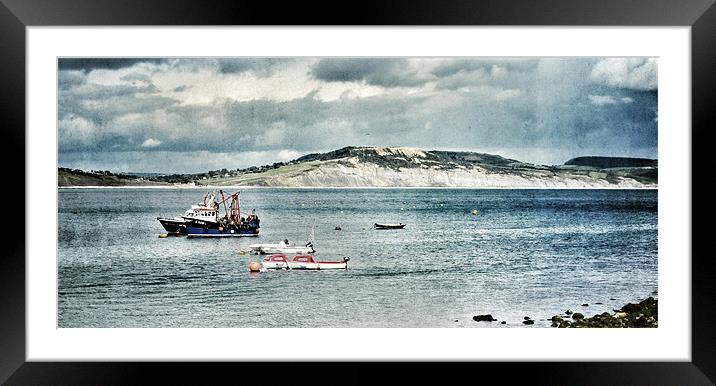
(639, 315)
(642, 314)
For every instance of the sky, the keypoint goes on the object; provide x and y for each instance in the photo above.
(191, 115)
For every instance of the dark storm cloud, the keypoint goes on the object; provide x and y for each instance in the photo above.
(535, 110)
(375, 71)
(89, 64)
(260, 66)
(450, 67)
(181, 88)
(69, 79)
(114, 118)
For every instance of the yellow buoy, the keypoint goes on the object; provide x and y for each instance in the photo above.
(474, 212)
(254, 266)
(163, 235)
(241, 252)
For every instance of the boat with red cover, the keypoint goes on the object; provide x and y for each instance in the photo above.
(281, 261)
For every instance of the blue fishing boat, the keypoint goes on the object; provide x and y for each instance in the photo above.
(204, 221)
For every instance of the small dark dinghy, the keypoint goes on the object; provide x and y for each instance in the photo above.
(388, 226)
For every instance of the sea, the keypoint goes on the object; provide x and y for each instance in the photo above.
(511, 253)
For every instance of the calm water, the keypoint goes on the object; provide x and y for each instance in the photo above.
(527, 253)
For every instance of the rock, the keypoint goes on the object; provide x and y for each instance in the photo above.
(455, 320)
(503, 322)
(643, 314)
(612, 299)
(598, 303)
(568, 312)
(585, 305)
(529, 321)
(527, 318)
(483, 318)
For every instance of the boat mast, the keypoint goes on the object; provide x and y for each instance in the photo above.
(223, 200)
(235, 207)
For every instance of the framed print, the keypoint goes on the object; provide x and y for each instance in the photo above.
(447, 184)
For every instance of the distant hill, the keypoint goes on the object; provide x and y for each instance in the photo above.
(76, 177)
(407, 167)
(612, 162)
(412, 167)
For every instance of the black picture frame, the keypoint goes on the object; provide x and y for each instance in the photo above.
(700, 15)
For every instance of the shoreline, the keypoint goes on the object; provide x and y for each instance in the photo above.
(632, 315)
(643, 314)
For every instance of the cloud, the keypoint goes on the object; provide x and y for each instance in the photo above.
(498, 67)
(68, 79)
(601, 100)
(275, 109)
(181, 88)
(89, 64)
(507, 94)
(628, 73)
(377, 71)
(261, 66)
(151, 142)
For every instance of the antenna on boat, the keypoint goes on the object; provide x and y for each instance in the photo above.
(313, 232)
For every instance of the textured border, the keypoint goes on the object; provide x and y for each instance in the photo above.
(15, 15)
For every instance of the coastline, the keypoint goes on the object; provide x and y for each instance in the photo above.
(632, 315)
(642, 314)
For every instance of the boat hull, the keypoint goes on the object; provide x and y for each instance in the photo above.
(197, 228)
(173, 225)
(256, 248)
(286, 250)
(317, 266)
(389, 226)
(274, 265)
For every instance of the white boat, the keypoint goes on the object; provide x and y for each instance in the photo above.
(307, 262)
(282, 247)
(301, 262)
(256, 248)
(202, 211)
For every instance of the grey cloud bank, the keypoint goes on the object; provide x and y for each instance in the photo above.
(180, 115)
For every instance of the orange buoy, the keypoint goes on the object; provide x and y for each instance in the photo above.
(254, 266)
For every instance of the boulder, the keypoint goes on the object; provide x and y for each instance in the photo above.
(484, 318)
(529, 321)
(577, 316)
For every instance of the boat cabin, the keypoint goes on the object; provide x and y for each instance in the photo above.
(277, 257)
(303, 259)
(201, 213)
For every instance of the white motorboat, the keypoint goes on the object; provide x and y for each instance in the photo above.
(301, 262)
(282, 247)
